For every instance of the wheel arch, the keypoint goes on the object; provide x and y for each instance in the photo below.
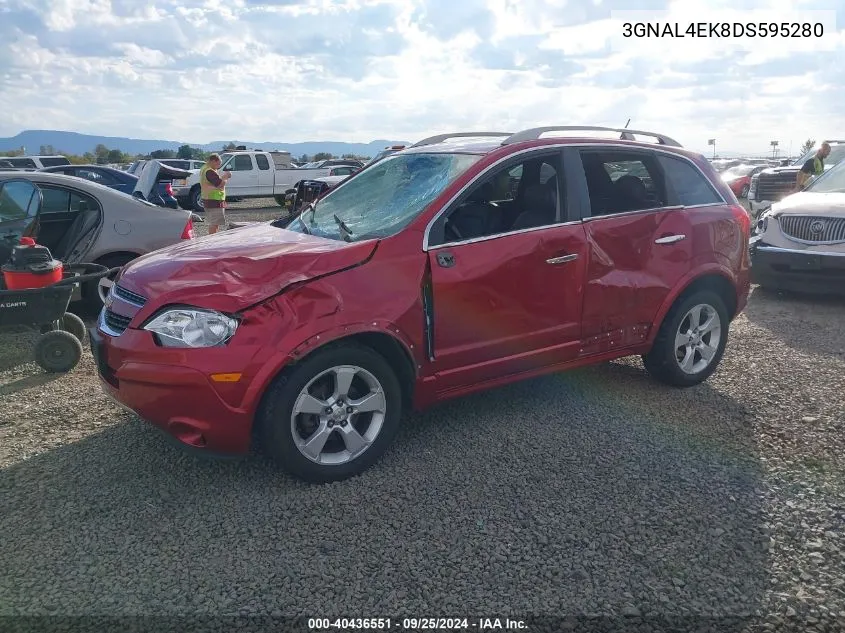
(388, 344)
(715, 279)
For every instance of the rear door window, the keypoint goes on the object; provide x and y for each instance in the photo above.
(621, 181)
(55, 200)
(689, 185)
(263, 163)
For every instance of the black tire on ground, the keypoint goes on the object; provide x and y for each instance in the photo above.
(744, 192)
(73, 324)
(185, 203)
(196, 199)
(58, 351)
(273, 420)
(90, 296)
(662, 362)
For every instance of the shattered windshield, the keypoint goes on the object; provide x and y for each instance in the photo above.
(384, 198)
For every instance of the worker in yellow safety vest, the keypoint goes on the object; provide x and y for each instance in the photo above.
(813, 167)
(213, 193)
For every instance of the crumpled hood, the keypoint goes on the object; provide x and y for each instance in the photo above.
(809, 202)
(234, 269)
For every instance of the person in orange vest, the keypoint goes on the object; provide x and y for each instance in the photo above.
(213, 193)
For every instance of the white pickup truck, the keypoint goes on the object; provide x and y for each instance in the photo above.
(255, 174)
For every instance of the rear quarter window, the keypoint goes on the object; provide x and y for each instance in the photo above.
(690, 186)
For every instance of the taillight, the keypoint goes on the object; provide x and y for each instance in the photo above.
(188, 231)
(743, 217)
(168, 189)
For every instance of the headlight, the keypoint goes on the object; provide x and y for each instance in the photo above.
(188, 327)
(762, 224)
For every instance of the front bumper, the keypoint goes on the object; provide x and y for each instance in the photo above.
(173, 395)
(797, 270)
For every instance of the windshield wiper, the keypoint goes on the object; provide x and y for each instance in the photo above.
(343, 227)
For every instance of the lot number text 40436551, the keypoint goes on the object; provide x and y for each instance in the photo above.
(414, 624)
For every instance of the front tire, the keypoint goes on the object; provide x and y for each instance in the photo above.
(331, 416)
(691, 340)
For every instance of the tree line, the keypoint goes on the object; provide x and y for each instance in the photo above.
(102, 155)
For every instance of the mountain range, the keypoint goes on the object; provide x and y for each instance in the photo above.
(76, 143)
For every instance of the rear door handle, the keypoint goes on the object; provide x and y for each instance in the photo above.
(562, 259)
(670, 239)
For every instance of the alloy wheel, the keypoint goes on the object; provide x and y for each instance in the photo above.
(697, 339)
(338, 415)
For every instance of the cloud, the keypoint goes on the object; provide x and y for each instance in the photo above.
(296, 70)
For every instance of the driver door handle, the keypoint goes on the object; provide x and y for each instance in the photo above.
(670, 239)
(562, 259)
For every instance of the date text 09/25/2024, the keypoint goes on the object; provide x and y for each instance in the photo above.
(414, 624)
(723, 29)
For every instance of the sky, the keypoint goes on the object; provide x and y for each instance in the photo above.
(359, 70)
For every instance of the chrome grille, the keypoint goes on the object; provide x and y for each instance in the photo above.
(116, 322)
(813, 229)
(775, 186)
(129, 296)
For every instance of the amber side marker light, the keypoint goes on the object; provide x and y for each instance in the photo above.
(226, 377)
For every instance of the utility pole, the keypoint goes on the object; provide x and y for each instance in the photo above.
(712, 142)
(774, 145)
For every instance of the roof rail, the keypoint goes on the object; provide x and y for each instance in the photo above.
(624, 133)
(431, 140)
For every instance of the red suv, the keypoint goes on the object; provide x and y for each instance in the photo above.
(464, 262)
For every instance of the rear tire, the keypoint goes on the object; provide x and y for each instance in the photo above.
(284, 427)
(58, 352)
(73, 324)
(680, 350)
(280, 200)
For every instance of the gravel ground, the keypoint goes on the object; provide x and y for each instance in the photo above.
(591, 493)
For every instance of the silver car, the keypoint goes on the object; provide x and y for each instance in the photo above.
(82, 221)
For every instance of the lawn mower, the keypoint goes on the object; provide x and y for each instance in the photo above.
(35, 292)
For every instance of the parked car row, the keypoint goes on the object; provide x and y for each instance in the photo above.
(81, 220)
(258, 174)
(799, 242)
(124, 181)
(774, 184)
